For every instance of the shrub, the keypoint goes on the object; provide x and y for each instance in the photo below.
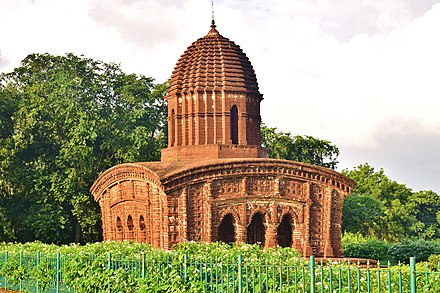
(434, 262)
(419, 249)
(373, 249)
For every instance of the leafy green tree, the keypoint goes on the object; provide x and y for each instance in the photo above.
(400, 213)
(426, 207)
(307, 149)
(364, 213)
(65, 120)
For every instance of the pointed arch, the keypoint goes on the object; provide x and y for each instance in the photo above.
(130, 224)
(119, 224)
(142, 225)
(284, 231)
(226, 229)
(256, 231)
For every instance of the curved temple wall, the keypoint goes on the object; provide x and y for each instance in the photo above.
(189, 203)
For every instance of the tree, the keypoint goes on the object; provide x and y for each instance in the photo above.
(307, 149)
(392, 211)
(362, 214)
(65, 120)
(426, 207)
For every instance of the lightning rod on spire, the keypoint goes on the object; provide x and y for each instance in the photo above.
(212, 9)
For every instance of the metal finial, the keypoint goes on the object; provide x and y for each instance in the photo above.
(212, 10)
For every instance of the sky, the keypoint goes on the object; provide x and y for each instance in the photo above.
(363, 74)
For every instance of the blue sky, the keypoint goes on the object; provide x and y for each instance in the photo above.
(363, 74)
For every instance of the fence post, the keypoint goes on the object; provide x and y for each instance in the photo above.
(109, 267)
(185, 264)
(312, 274)
(21, 266)
(412, 274)
(38, 264)
(143, 265)
(240, 284)
(58, 273)
(6, 279)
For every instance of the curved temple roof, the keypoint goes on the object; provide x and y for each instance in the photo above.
(213, 62)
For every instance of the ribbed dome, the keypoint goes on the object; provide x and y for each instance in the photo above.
(213, 63)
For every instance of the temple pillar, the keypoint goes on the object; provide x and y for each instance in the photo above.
(183, 217)
(207, 211)
(240, 233)
(165, 220)
(326, 223)
(271, 235)
(306, 245)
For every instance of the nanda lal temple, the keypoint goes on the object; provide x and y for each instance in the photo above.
(215, 181)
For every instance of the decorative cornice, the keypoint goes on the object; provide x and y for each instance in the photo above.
(123, 172)
(246, 167)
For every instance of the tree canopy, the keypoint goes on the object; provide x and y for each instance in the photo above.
(382, 208)
(306, 149)
(65, 119)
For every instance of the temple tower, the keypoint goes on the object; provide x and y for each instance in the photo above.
(213, 103)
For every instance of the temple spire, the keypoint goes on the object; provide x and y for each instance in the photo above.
(213, 31)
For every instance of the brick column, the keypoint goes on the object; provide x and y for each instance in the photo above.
(184, 119)
(326, 224)
(336, 225)
(240, 233)
(271, 236)
(276, 186)
(207, 212)
(107, 227)
(306, 245)
(183, 220)
(191, 122)
(165, 221)
(243, 187)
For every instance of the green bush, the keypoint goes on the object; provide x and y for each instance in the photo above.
(420, 249)
(372, 249)
(434, 262)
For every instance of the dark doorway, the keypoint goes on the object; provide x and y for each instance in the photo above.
(284, 233)
(234, 124)
(226, 230)
(256, 230)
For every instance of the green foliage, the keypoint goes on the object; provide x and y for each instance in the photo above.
(306, 149)
(364, 213)
(419, 249)
(64, 120)
(434, 262)
(13, 270)
(425, 205)
(356, 245)
(135, 267)
(86, 268)
(382, 208)
(372, 249)
(222, 251)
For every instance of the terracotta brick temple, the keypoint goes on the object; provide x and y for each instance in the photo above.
(215, 182)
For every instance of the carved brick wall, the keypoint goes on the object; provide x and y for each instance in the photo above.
(190, 205)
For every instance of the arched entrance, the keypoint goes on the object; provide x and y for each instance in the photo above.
(256, 230)
(226, 230)
(284, 232)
